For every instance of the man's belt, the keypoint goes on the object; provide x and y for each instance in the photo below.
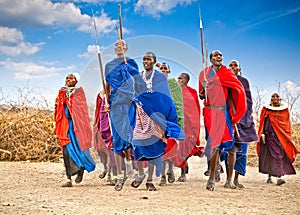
(215, 107)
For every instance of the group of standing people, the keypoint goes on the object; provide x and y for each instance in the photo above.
(148, 119)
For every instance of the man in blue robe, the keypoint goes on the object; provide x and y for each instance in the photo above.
(156, 120)
(119, 75)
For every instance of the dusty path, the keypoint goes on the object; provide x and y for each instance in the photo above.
(34, 188)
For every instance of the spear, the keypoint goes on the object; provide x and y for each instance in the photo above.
(201, 37)
(204, 62)
(121, 44)
(120, 21)
(125, 61)
(100, 61)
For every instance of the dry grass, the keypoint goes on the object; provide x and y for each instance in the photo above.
(27, 134)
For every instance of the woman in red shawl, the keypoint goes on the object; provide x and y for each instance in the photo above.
(275, 148)
(73, 130)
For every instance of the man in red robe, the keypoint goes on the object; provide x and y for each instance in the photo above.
(224, 105)
(191, 145)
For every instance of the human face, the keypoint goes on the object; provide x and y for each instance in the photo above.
(234, 67)
(118, 48)
(182, 80)
(164, 69)
(71, 80)
(217, 58)
(148, 62)
(275, 100)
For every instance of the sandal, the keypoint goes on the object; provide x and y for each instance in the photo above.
(67, 184)
(171, 177)
(163, 181)
(269, 181)
(210, 185)
(237, 184)
(138, 181)
(150, 186)
(182, 178)
(102, 174)
(119, 184)
(229, 185)
(280, 182)
(112, 182)
(206, 173)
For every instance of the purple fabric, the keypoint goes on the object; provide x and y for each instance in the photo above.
(273, 159)
(246, 126)
(104, 125)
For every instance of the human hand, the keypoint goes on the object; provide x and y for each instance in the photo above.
(107, 108)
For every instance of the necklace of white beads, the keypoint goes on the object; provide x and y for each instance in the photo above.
(148, 82)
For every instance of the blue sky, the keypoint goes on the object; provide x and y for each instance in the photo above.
(41, 41)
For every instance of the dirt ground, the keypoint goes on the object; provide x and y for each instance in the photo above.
(34, 188)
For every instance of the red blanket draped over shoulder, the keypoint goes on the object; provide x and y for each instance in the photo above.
(280, 121)
(191, 123)
(217, 96)
(79, 112)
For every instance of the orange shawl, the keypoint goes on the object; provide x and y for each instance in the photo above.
(280, 120)
(79, 112)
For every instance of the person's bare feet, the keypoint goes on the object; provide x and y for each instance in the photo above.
(237, 184)
(229, 185)
(210, 185)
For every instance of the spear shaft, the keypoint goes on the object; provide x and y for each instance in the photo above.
(120, 21)
(101, 71)
(121, 44)
(201, 36)
(119, 32)
(125, 62)
(204, 61)
(100, 61)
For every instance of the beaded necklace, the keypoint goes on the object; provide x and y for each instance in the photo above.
(70, 91)
(148, 82)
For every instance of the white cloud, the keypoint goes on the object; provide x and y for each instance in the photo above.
(156, 7)
(291, 87)
(91, 51)
(31, 70)
(103, 23)
(12, 43)
(97, 1)
(44, 13)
